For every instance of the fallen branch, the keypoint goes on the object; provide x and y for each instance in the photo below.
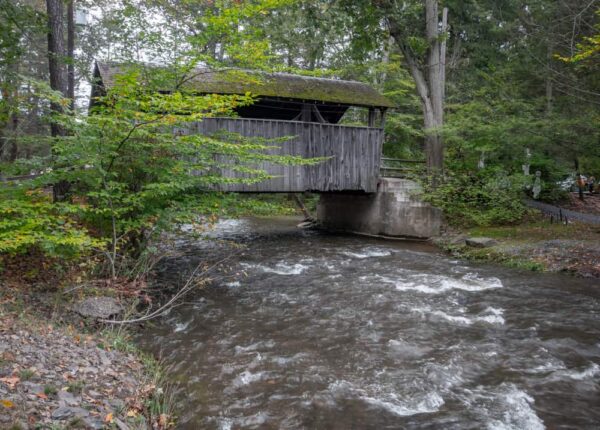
(172, 302)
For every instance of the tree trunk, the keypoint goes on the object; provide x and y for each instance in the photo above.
(436, 81)
(56, 55)
(13, 151)
(56, 47)
(10, 95)
(430, 79)
(385, 61)
(58, 76)
(549, 86)
(70, 53)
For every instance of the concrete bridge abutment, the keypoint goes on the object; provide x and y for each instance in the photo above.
(394, 210)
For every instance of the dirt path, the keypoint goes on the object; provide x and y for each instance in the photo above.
(589, 205)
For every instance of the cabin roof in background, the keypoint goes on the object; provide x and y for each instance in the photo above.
(262, 84)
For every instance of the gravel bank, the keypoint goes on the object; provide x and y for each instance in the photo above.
(55, 377)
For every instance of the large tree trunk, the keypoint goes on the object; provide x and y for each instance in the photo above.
(436, 60)
(56, 46)
(58, 76)
(430, 79)
(56, 53)
(70, 53)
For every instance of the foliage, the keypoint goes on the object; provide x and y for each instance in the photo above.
(28, 219)
(589, 48)
(487, 197)
(132, 169)
(134, 166)
(508, 91)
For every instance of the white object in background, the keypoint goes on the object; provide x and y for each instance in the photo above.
(537, 185)
(81, 17)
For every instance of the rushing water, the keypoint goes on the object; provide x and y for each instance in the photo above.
(324, 331)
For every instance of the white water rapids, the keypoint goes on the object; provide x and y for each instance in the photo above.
(322, 331)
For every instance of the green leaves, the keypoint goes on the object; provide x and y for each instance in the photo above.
(483, 198)
(135, 162)
(135, 167)
(30, 220)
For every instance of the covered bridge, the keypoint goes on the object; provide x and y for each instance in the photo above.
(309, 109)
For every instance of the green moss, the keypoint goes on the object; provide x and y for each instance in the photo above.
(492, 255)
(537, 230)
(260, 83)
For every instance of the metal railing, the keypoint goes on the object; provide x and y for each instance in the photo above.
(19, 178)
(400, 167)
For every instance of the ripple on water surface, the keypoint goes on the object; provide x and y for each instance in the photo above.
(337, 332)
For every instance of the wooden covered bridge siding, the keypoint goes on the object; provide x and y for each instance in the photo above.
(355, 154)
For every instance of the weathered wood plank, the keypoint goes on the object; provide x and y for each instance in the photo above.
(353, 164)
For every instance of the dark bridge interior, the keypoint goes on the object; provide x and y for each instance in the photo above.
(294, 110)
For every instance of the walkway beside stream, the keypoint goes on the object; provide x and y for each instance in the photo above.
(563, 215)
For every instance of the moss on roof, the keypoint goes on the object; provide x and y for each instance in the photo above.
(284, 85)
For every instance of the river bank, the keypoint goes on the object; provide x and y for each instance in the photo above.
(60, 371)
(536, 245)
(57, 370)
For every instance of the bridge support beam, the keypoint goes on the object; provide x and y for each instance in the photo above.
(394, 210)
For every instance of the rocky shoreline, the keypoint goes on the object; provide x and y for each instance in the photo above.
(55, 375)
(577, 254)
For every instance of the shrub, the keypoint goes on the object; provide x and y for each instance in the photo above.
(29, 220)
(137, 169)
(482, 198)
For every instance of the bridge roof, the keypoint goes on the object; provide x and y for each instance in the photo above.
(262, 84)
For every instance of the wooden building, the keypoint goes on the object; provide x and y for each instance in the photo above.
(308, 108)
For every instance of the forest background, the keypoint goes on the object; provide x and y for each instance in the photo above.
(482, 89)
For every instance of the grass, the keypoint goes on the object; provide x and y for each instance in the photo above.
(159, 400)
(515, 241)
(537, 231)
(26, 374)
(50, 390)
(490, 255)
(162, 401)
(75, 387)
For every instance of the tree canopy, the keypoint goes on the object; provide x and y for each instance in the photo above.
(479, 89)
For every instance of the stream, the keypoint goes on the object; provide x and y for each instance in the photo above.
(309, 330)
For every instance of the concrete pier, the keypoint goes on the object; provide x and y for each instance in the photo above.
(394, 210)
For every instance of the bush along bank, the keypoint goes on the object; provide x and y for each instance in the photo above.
(488, 220)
